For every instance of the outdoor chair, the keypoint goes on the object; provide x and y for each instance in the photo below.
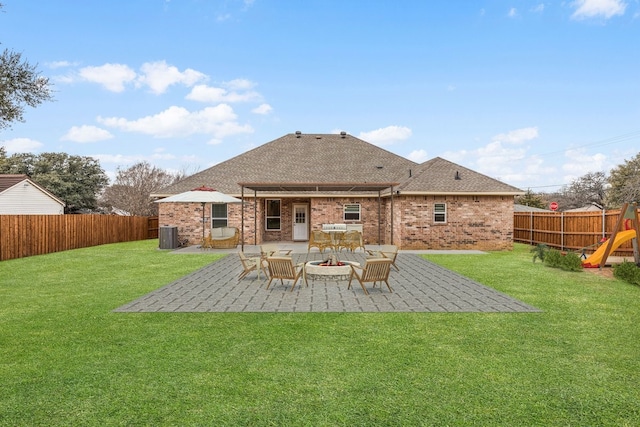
(351, 240)
(282, 267)
(251, 264)
(387, 251)
(319, 239)
(374, 270)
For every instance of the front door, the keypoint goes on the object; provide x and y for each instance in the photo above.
(300, 226)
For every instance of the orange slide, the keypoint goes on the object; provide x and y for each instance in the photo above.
(596, 258)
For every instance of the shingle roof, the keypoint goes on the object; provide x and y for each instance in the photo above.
(9, 180)
(333, 158)
(440, 176)
(319, 158)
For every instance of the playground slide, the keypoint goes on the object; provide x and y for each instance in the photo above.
(596, 258)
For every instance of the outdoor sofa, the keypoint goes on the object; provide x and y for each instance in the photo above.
(222, 238)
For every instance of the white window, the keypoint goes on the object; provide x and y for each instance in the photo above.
(440, 212)
(218, 215)
(272, 208)
(352, 212)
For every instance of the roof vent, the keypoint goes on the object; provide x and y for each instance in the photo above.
(379, 167)
(343, 134)
(458, 175)
(298, 133)
(318, 137)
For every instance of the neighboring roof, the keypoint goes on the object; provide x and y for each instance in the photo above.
(525, 208)
(8, 180)
(592, 207)
(333, 164)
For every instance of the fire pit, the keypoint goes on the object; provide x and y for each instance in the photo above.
(321, 270)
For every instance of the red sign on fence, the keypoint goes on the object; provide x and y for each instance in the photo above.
(553, 206)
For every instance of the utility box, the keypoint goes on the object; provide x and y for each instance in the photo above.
(168, 237)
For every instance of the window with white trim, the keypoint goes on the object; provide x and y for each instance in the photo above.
(352, 212)
(272, 209)
(219, 215)
(440, 212)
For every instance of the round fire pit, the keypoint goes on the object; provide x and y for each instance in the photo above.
(314, 271)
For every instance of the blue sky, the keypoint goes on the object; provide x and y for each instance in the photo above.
(532, 93)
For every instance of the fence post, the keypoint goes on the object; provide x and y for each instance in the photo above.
(562, 231)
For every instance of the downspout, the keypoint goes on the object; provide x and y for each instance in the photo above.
(242, 216)
(392, 215)
(379, 214)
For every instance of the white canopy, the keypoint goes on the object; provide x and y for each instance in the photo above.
(200, 195)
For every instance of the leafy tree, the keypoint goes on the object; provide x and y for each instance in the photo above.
(625, 183)
(75, 180)
(133, 186)
(532, 199)
(20, 85)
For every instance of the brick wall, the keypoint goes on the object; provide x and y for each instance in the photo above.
(473, 222)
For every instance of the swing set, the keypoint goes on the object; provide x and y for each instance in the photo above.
(626, 228)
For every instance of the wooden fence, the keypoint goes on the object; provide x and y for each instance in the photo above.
(28, 235)
(570, 231)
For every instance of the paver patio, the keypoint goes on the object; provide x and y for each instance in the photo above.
(419, 286)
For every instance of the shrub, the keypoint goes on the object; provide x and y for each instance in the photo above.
(553, 258)
(627, 271)
(569, 262)
(540, 251)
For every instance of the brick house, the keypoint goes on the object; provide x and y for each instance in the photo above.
(298, 182)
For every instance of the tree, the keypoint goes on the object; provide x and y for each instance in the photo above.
(624, 183)
(20, 85)
(133, 186)
(75, 180)
(532, 199)
(589, 188)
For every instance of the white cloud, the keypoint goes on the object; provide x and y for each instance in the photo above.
(598, 8)
(517, 136)
(418, 156)
(60, 64)
(86, 134)
(159, 76)
(505, 157)
(262, 109)
(580, 163)
(218, 121)
(210, 94)
(539, 8)
(119, 159)
(513, 12)
(21, 145)
(113, 77)
(385, 136)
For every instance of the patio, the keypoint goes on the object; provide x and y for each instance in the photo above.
(419, 286)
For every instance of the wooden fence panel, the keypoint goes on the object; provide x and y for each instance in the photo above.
(28, 235)
(572, 231)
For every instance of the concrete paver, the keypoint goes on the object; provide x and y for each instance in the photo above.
(419, 286)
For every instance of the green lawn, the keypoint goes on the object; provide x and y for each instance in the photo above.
(66, 359)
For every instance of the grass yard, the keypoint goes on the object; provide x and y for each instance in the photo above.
(67, 359)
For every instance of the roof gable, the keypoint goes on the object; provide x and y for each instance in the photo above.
(306, 158)
(9, 180)
(440, 176)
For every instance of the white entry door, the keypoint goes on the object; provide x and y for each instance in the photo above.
(300, 226)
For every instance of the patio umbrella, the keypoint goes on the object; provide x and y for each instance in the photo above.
(201, 195)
